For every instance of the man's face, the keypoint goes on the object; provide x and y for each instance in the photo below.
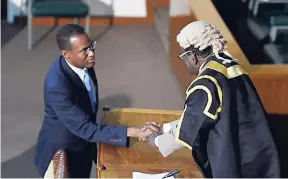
(190, 61)
(82, 53)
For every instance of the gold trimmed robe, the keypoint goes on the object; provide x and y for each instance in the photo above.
(224, 124)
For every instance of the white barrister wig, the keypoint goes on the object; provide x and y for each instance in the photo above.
(201, 35)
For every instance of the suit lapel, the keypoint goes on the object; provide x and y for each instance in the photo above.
(75, 79)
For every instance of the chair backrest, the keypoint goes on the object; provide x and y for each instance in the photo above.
(39, 1)
(60, 163)
(267, 10)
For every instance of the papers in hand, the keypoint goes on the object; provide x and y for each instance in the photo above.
(139, 175)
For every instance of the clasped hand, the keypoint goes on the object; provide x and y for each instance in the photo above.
(148, 132)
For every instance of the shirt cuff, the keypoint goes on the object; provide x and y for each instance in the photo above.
(156, 141)
(166, 127)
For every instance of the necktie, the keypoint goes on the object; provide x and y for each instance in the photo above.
(89, 86)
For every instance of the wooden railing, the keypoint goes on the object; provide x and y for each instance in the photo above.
(271, 81)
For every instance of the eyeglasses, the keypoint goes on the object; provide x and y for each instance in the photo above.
(91, 48)
(182, 55)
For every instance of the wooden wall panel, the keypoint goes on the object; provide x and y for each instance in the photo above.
(273, 91)
(159, 3)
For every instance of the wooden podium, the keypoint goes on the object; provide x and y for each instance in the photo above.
(120, 162)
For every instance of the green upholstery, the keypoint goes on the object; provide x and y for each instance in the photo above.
(59, 8)
(279, 20)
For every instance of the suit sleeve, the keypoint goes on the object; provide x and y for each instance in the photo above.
(77, 121)
(167, 143)
(201, 111)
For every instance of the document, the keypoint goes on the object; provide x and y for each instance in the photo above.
(139, 175)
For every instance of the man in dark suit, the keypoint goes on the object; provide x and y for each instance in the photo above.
(71, 103)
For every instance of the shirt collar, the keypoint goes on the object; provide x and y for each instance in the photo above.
(202, 66)
(79, 71)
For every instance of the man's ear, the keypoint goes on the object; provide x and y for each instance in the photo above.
(195, 59)
(65, 54)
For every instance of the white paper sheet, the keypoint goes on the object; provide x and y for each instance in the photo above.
(139, 175)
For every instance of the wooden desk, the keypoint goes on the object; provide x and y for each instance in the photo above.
(120, 162)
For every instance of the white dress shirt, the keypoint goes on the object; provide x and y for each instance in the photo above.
(81, 73)
(166, 128)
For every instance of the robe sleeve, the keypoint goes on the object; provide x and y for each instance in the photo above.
(201, 111)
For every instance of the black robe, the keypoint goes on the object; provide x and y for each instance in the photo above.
(225, 124)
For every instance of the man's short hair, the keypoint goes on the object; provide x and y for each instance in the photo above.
(65, 33)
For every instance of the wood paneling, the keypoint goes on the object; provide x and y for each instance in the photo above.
(97, 21)
(271, 81)
(159, 3)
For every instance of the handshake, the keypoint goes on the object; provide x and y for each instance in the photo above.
(146, 133)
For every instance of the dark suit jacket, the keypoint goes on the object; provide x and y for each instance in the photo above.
(69, 121)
